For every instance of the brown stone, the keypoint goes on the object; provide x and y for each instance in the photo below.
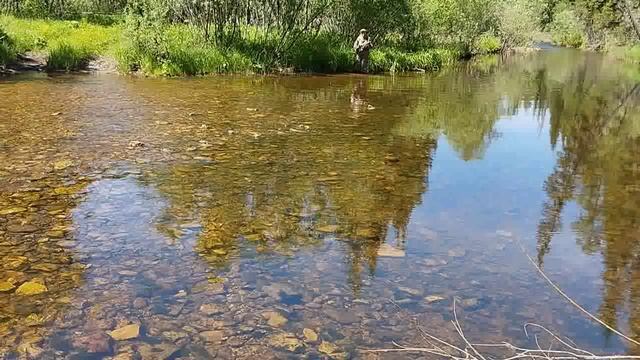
(94, 343)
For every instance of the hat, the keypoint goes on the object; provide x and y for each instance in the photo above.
(363, 31)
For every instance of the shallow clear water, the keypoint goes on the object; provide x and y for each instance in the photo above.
(226, 215)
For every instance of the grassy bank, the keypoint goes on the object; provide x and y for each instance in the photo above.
(181, 50)
(67, 45)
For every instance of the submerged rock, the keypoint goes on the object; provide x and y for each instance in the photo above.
(22, 229)
(327, 228)
(6, 286)
(62, 164)
(434, 298)
(12, 210)
(274, 318)
(286, 341)
(310, 335)
(387, 250)
(341, 316)
(211, 309)
(410, 291)
(212, 336)
(31, 288)
(94, 343)
(126, 332)
(327, 348)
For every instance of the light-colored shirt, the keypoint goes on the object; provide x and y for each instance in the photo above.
(362, 44)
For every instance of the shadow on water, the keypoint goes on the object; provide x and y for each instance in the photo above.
(239, 216)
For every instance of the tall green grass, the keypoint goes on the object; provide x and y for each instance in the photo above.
(68, 44)
(7, 50)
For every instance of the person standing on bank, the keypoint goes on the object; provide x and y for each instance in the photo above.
(362, 46)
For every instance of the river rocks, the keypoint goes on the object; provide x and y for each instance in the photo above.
(12, 210)
(211, 309)
(31, 288)
(434, 298)
(15, 262)
(94, 343)
(328, 228)
(162, 351)
(62, 164)
(327, 348)
(6, 286)
(367, 233)
(410, 291)
(212, 336)
(22, 229)
(434, 262)
(140, 303)
(126, 332)
(127, 273)
(34, 320)
(341, 316)
(45, 267)
(387, 250)
(274, 318)
(287, 341)
(310, 335)
(55, 234)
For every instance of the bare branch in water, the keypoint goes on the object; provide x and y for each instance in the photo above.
(472, 351)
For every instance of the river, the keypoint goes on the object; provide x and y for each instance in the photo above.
(319, 216)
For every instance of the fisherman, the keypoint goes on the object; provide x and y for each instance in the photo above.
(362, 46)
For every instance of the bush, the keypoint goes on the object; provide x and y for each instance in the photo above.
(519, 22)
(487, 44)
(566, 29)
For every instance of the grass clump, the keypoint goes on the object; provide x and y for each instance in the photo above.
(67, 57)
(487, 44)
(391, 60)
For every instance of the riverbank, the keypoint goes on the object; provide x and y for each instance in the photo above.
(181, 50)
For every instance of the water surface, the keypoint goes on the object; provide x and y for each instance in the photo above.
(236, 217)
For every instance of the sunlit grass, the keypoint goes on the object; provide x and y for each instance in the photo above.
(68, 44)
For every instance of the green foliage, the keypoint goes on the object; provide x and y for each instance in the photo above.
(520, 20)
(566, 29)
(7, 51)
(487, 44)
(632, 54)
(459, 22)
